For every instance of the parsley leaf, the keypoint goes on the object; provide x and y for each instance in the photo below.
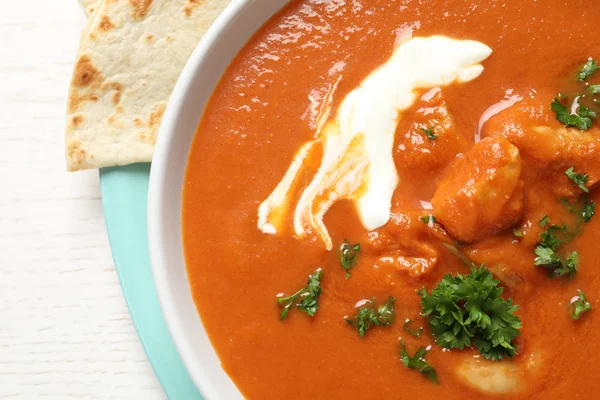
(550, 239)
(518, 233)
(367, 316)
(544, 221)
(348, 254)
(578, 179)
(386, 312)
(579, 305)
(410, 331)
(587, 70)
(589, 210)
(429, 219)
(568, 268)
(467, 310)
(417, 362)
(547, 257)
(585, 207)
(594, 89)
(582, 119)
(429, 133)
(306, 299)
(586, 117)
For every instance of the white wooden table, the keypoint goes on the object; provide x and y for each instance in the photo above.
(65, 331)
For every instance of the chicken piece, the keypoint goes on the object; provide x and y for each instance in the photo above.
(414, 150)
(491, 377)
(556, 150)
(481, 193)
(549, 151)
(497, 377)
(416, 261)
(405, 244)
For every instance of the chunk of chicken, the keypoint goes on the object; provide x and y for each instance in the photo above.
(497, 377)
(549, 150)
(481, 193)
(490, 377)
(405, 244)
(415, 150)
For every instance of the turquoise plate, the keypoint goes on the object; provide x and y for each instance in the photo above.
(124, 196)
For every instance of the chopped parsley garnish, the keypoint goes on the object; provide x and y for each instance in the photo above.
(570, 267)
(429, 133)
(579, 305)
(587, 70)
(417, 362)
(550, 239)
(429, 219)
(589, 210)
(578, 179)
(594, 89)
(547, 256)
(518, 232)
(306, 299)
(544, 221)
(582, 119)
(410, 331)
(368, 316)
(584, 208)
(549, 259)
(468, 310)
(348, 254)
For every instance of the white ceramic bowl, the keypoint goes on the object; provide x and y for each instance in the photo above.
(197, 81)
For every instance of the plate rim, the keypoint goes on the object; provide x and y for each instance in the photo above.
(130, 254)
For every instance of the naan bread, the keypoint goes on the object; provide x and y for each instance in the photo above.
(131, 54)
(89, 6)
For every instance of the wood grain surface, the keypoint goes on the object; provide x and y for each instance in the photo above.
(65, 331)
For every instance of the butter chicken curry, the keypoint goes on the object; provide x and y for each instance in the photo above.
(395, 200)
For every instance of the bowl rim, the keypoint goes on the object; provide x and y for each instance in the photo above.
(159, 174)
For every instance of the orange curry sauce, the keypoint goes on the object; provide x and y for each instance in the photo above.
(259, 116)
